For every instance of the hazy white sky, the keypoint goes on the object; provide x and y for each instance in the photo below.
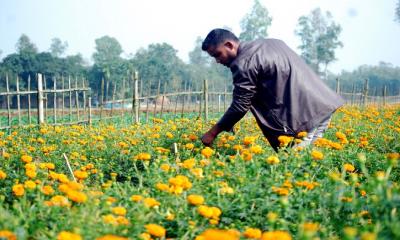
(369, 33)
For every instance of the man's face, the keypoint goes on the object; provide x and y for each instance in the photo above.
(224, 53)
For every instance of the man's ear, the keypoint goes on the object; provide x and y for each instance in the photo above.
(229, 45)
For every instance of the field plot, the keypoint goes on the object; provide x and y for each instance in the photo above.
(157, 181)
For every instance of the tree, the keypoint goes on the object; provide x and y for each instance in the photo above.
(255, 24)
(197, 56)
(57, 47)
(397, 12)
(24, 46)
(107, 55)
(319, 37)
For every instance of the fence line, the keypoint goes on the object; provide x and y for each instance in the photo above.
(80, 108)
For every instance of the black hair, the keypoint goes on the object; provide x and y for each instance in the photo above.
(216, 37)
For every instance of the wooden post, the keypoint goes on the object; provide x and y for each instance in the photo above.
(84, 97)
(29, 100)
(123, 98)
(70, 99)
(337, 86)
(205, 99)
(101, 97)
(8, 102)
(55, 100)
(183, 105)
(147, 103)
(365, 91)
(225, 94)
(77, 98)
(155, 100)
(62, 96)
(45, 97)
(113, 99)
(18, 102)
(135, 101)
(162, 101)
(353, 93)
(40, 99)
(384, 95)
(219, 102)
(90, 111)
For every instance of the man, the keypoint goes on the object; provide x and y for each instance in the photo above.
(283, 93)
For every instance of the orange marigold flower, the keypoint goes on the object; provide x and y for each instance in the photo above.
(317, 155)
(29, 184)
(272, 160)
(18, 190)
(275, 235)
(7, 234)
(207, 152)
(47, 190)
(26, 158)
(111, 237)
(121, 211)
(80, 174)
(3, 175)
(155, 230)
(64, 235)
(76, 196)
(59, 200)
(195, 199)
(151, 202)
(348, 167)
(217, 234)
(252, 233)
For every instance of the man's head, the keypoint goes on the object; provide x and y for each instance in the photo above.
(222, 45)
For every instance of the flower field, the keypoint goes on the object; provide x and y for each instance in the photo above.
(157, 181)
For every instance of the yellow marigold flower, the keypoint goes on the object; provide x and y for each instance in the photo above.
(237, 147)
(226, 190)
(207, 152)
(155, 230)
(195, 199)
(136, 198)
(198, 172)
(193, 137)
(145, 236)
(317, 155)
(205, 211)
(3, 175)
(275, 235)
(162, 186)
(348, 167)
(6, 155)
(59, 200)
(246, 155)
(151, 202)
(256, 149)
(121, 211)
(189, 163)
(7, 235)
(380, 175)
(272, 160)
(252, 233)
(31, 174)
(368, 236)
(284, 140)
(76, 196)
(47, 190)
(350, 232)
(204, 162)
(165, 167)
(249, 140)
(143, 156)
(29, 184)
(111, 237)
(18, 190)
(64, 235)
(310, 227)
(80, 174)
(26, 158)
(271, 216)
(217, 234)
(302, 134)
(189, 146)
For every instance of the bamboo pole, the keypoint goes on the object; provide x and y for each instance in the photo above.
(77, 99)
(62, 96)
(29, 100)
(90, 111)
(70, 99)
(157, 96)
(113, 99)
(162, 101)
(123, 98)
(353, 93)
(384, 95)
(135, 103)
(55, 101)
(84, 97)
(18, 102)
(147, 103)
(205, 99)
(40, 99)
(101, 97)
(225, 94)
(365, 91)
(45, 96)
(8, 102)
(337, 86)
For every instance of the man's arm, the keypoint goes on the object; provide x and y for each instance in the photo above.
(243, 93)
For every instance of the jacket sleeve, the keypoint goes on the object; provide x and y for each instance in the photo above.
(243, 93)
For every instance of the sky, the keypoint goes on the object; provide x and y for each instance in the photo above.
(369, 34)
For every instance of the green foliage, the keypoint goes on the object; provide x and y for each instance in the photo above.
(255, 24)
(57, 47)
(397, 12)
(319, 36)
(24, 46)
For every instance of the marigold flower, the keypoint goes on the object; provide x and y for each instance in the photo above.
(249, 140)
(252, 233)
(26, 158)
(18, 190)
(302, 134)
(256, 149)
(47, 190)
(162, 186)
(348, 167)
(136, 198)
(155, 230)
(111, 237)
(189, 146)
(3, 175)
(284, 140)
(207, 152)
(29, 184)
(165, 167)
(317, 155)
(121, 211)
(64, 235)
(7, 235)
(59, 200)
(310, 227)
(195, 199)
(151, 202)
(273, 160)
(143, 156)
(80, 174)
(217, 234)
(275, 235)
(76, 196)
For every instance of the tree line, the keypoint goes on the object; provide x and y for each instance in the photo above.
(318, 32)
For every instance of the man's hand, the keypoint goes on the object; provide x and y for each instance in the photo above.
(208, 137)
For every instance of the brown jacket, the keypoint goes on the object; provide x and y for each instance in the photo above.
(279, 88)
